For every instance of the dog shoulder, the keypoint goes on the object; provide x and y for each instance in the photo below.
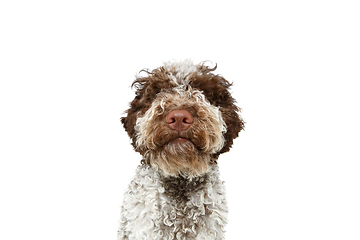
(139, 205)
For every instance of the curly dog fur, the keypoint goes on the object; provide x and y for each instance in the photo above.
(182, 118)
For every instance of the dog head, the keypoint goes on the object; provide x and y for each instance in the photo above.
(182, 118)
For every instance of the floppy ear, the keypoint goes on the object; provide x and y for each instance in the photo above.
(144, 95)
(234, 124)
(129, 121)
(127, 124)
(230, 114)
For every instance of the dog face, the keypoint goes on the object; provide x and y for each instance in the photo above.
(182, 118)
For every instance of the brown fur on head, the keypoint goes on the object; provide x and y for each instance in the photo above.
(185, 86)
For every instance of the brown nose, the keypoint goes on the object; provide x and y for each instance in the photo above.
(179, 120)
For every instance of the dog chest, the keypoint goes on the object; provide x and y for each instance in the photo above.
(156, 207)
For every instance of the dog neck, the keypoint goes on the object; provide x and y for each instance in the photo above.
(181, 188)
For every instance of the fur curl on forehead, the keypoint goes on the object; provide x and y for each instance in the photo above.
(185, 75)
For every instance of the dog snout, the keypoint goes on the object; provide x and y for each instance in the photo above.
(179, 120)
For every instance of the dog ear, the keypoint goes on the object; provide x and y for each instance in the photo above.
(234, 124)
(129, 121)
(127, 125)
(145, 93)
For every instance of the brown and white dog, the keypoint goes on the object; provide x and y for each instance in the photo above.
(182, 118)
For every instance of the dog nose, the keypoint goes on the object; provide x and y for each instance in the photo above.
(179, 120)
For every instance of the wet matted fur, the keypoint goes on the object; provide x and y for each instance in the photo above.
(176, 192)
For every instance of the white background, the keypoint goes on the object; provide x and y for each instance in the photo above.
(66, 68)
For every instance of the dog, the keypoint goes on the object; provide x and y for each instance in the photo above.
(181, 119)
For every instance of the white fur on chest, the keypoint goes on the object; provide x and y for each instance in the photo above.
(148, 212)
